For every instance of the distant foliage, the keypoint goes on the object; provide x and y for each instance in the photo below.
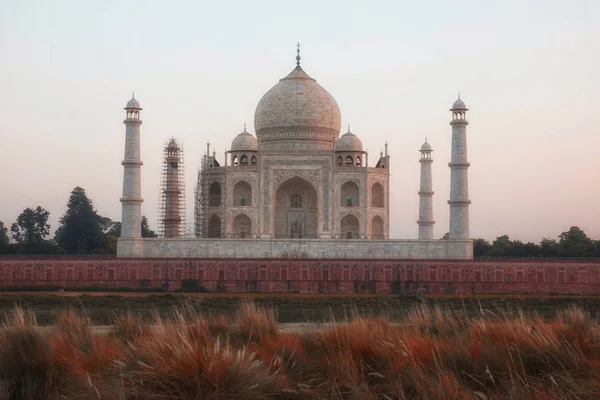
(81, 226)
(146, 231)
(29, 232)
(4, 240)
(572, 243)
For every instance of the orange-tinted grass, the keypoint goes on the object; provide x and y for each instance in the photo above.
(433, 354)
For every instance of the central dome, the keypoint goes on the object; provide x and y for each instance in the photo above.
(297, 108)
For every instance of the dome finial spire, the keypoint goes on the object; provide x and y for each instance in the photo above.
(133, 94)
(459, 95)
(298, 58)
(244, 126)
(348, 127)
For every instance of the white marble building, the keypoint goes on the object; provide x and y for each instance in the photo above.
(299, 189)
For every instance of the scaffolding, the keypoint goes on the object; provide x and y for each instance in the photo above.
(171, 204)
(200, 197)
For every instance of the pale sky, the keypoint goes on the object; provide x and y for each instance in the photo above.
(528, 70)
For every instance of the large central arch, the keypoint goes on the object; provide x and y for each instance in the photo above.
(296, 211)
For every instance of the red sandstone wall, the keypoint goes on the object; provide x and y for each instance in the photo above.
(309, 276)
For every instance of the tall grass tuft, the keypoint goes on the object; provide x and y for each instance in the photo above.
(433, 353)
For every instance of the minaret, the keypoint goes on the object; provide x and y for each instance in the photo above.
(131, 220)
(459, 179)
(426, 221)
(172, 191)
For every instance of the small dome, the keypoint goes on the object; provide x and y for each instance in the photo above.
(173, 145)
(244, 142)
(426, 147)
(348, 142)
(133, 103)
(459, 105)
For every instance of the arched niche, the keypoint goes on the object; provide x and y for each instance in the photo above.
(214, 226)
(242, 194)
(214, 195)
(377, 196)
(349, 227)
(242, 226)
(349, 195)
(295, 213)
(377, 228)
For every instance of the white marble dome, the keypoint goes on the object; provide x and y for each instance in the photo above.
(297, 107)
(244, 142)
(133, 103)
(426, 147)
(459, 105)
(349, 142)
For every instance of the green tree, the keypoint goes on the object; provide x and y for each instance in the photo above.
(575, 243)
(30, 231)
(481, 247)
(500, 247)
(146, 231)
(550, 248)
(81, 229)
(504, 247)
(113, 228)
(520, 249)
(31, 226)
(4, 240)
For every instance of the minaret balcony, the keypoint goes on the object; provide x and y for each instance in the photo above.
(132, 163)
(132, 121)
(459, 202)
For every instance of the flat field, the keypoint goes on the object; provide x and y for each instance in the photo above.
(101, 307)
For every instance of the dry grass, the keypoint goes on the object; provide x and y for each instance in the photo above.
(432, 354)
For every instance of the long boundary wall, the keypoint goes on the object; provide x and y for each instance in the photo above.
(309, 275)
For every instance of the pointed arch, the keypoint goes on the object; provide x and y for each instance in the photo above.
(349, 195)
(295, 213)
(377, 228)
(349, 227)
(214, 194)
(244, 160)
(377, 196)
(242, 194)
(242, 226)
(214, 226)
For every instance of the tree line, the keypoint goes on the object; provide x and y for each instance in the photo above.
(81, 231)
(572, 243)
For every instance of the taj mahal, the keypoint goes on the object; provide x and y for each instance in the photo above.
(297, 188)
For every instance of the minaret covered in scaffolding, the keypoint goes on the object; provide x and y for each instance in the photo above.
(171, 212)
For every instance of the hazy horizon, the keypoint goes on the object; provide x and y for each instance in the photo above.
(528, 73)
